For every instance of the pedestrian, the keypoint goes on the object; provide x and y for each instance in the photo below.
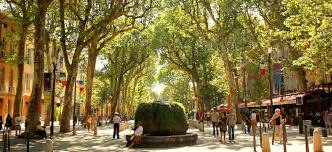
(223, 126)
(17, 125)
(116, 121)
(94, 124)
(215, 121)
(231, 121)
(81, 120)
(247, 121)
(276, 120)
(1, 122)
(88, 122)
(329, 120)
(253, 119)
(41, 132)
(9, 122)
(137, 134)
(208, 116)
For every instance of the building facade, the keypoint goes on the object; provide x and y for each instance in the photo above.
(8, 68)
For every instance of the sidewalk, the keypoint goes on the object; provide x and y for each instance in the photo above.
(103, 142)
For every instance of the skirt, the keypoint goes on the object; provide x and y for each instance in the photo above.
(137, 139)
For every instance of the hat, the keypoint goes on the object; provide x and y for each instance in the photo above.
(116, 113)
(277, 110)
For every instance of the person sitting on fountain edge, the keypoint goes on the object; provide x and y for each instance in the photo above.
(137, 135)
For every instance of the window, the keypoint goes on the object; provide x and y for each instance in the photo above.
(11, 78)
(2, 78)
(27, 82)
(11, 82)
(28, 56)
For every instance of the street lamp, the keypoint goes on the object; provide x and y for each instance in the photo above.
(270, 79)
(75, 105)
(74, 113)
(53, 92)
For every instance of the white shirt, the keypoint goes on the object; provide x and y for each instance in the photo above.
(116, 119)
(253, 116)
(139, 131)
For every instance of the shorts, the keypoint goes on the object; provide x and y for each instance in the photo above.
(17, 127)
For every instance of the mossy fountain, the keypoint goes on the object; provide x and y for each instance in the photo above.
(164, 124)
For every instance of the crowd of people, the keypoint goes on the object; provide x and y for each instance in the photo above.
(221, 122)
(15, 124)
(225, 121)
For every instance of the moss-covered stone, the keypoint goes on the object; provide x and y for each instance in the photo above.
(162, 119)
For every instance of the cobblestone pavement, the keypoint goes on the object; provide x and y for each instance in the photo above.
(103, 142)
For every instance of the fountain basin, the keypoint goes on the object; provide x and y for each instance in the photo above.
(165, 141)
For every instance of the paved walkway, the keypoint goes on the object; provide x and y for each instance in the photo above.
(103, 142)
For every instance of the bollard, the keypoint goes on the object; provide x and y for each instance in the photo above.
(284, 137)
(49, 145)
(28, 141)
(266, 143)
(4, 137)
(265, 126)
(203, 126)
(260, 134)
(317, 142)
(95, 130)
(273, 135)
(254, 136)
(306, 138)
(8, 140)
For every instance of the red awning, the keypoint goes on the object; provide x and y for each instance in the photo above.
(251, 104)
(242, 104)
(223, 107)
(282, 100)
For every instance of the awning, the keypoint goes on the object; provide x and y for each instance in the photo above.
(251, 104)
(223, 107)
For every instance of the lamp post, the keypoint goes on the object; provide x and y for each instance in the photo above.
(270, 80)
(52, 99)
(74, 113)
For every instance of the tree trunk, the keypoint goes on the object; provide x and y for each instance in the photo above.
(116, 95)
(92, 58)
(20, 69)
(37, 90)
(67, 105)
(229, 74)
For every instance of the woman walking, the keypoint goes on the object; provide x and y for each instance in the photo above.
(223, 126)
(276, 120)
(9, 122)
(231, 121)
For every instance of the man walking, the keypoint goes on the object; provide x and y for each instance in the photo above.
(116, 120)
(253, 119)
(231, 121)
(215, 121)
